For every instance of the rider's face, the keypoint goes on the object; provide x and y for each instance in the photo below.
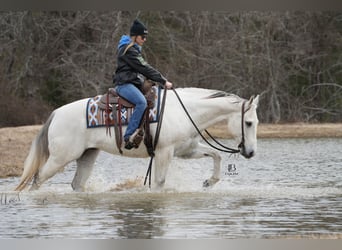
(141, 39)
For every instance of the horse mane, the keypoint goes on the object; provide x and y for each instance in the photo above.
(209, 94)
(220, 93)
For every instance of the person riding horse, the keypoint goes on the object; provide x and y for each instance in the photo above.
(130, 75)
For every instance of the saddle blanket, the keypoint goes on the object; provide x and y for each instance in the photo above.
(97, 117)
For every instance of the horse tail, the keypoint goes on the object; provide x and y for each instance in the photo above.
(38, 155)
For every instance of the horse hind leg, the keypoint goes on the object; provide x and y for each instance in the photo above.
(49, 169)
(85, 166)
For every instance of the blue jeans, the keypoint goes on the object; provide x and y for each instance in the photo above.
(132, 94)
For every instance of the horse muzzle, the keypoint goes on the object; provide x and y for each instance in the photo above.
(246, 153)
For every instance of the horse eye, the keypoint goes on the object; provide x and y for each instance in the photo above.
(248, 124)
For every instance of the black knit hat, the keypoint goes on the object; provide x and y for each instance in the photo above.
(138, 28)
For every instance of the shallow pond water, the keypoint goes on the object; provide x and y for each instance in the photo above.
(291, 188)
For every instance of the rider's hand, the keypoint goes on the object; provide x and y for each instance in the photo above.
(168, 85)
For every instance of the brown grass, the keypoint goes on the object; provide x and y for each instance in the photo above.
(14, 147)
(15, 142)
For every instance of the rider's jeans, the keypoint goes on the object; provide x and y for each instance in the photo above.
(132, 94)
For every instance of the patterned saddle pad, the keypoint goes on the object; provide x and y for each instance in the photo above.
(97, 117)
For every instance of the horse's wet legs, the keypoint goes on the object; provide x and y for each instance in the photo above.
(204, 151)
(217, 168)
(50, 168)
(161, 163)
(85, 166)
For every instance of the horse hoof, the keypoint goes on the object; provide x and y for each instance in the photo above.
(210, 182)
(206, 183)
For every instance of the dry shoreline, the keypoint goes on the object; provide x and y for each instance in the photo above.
(289, 130)
(16, 141)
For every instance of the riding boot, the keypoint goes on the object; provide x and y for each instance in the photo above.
(135, 139)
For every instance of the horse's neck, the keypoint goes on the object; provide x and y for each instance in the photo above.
(209, 111)
(215, 111)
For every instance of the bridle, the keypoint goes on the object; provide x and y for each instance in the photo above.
(243, 111)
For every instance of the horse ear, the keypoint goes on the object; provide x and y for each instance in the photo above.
(256, 100)
(250, 101)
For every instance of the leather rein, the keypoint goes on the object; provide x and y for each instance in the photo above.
(223, 147)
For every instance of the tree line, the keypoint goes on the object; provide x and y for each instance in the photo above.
(291, 58)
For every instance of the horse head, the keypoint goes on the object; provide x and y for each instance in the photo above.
(243, 126)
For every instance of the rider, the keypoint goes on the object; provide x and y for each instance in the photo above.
(130, 75)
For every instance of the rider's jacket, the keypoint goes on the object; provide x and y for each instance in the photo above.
(131, 66)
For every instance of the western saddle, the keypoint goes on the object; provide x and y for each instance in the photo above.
(112, 102)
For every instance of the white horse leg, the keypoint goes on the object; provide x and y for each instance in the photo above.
(85, 166)
(50, 168)
(162, 161)
(60, 155)
(206, 151)
(200, 150)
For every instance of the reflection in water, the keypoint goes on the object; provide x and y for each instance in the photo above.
(285, 191)
(138, 219)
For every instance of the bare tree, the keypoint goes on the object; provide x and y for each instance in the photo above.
(292, 58)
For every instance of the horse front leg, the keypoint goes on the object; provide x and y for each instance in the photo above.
(198, 150)
(162, 161)
(205, 151)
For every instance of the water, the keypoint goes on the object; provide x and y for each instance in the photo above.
(292, 188)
